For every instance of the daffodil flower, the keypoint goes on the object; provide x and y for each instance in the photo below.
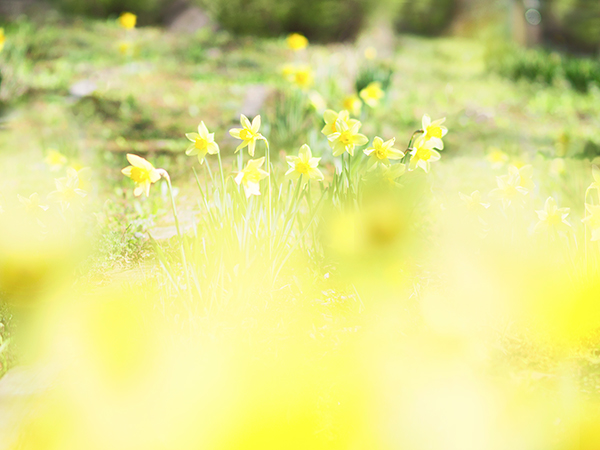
(346, 138)
(296, 41)
(372, 94)
(2, 39)
(301, 76)
(303, 165)
(248, 134)
(249, 177)
(128, 20)
(525, 174)
(125, 48)
(67, 190)
(422, 154)
(509, 189)
(142, 173)
(353, 104)
(473, 202)
(55, 160)
(497, 157)
(596, 175)
(434, 131)
(592, 221)
(331, 117)
(389, 174)
(382, 152)
(32, 204)
(552, 217)
(203, 143)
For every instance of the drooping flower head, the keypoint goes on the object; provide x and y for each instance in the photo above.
(372, 94)
(434, 131)
(128, 20)
(422, 154)
(382, 152)
(346, 138)
(142, 173)
(248, 134)
(296, 41)
(67, 190)
(249, 177)
(203, 143)
(552, 218)
(331, 117)
(303, 165)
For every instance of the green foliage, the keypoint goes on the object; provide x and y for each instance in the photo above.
(428, 17)
(368, 74)
(289, 119)
(578, 22)
(544, 67)
(15, 67)
(320, 20)
(148, 11)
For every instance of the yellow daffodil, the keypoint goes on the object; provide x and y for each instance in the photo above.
(250, 176)
(303, 165)
(2, 39)
(370, 53)
(301, 76)
(509, 189)
(142, 173)
(434, 131)
(331, 117)
(353, 104)
(552, 217)
(67, 191)
(525, 174)
(422, 154)
(346, 138)
(473, 202)
(382, 152)
(128, 20)
(55, 160)
(84, 174)
(203, 143)
(497, 157)
(32, 204)
(372, 94)
(248, 134)
(296, 41)
(592, 221)
(389, 174)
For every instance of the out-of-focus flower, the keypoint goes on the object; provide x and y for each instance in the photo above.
(434, 131)
(389, 174)
(525, 174)
(125, 48)
(372, 94)
(55, 160)
(592, 221)
(85, 176)
(301, 76)
(2, 39)
(250, 176)
(331, 117)
(552, 217)
(128, 20)
(248, 134)
(509, 189)
(296, 41)
(558, 167)
(423, 154)
(497, 157)
(32, 204)
(317, 101)
(304, 165)
(346, 138)
(353, 104)
(473, 202)
(142, 173)
(596, 175)
(67, 191)
(370, 53)
(203, 143)
(382, 152)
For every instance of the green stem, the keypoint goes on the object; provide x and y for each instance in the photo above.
(222, 174)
